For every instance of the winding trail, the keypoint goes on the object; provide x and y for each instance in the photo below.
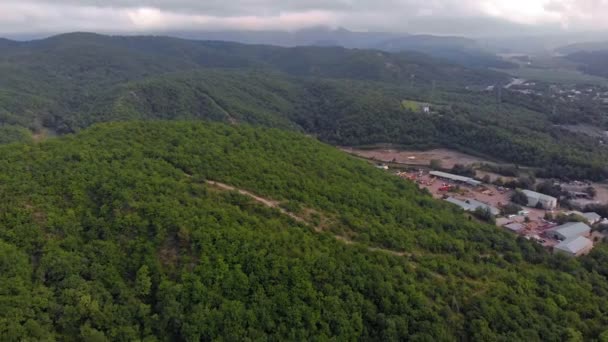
(276, 205)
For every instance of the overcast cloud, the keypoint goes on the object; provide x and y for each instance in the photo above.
(415, 16)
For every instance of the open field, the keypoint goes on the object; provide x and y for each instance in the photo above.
(414, 106)
(448, 158)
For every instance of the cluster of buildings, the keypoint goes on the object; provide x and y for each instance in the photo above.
(572, 239)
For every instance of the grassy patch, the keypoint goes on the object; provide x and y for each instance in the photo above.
(414, 106)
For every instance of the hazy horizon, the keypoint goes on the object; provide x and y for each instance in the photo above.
(472, 18)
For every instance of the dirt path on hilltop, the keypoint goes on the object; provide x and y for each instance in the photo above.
(276, 205)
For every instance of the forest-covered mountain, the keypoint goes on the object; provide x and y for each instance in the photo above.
(143, 55)
(459, 50)
(57, 78)
(200, 231)
(456, 50)
(591, 62)
(349, 97)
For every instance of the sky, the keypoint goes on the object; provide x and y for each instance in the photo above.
(462, 17)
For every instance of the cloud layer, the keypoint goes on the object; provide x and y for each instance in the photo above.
(427, 16)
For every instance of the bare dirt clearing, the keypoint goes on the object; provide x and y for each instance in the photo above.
(448, 158)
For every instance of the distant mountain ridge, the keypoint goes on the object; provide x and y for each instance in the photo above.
(583, 47)
(459, 50)
(7, 42)
(455, 49)
(127, 58)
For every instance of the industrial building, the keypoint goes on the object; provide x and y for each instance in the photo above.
(471, 205)
(545, 201)
(574, 246)
(592, 218)
(569, 231)
(514, 227)
(455, 178)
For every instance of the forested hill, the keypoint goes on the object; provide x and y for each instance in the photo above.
(5, 43)
(342, 96)
(95, 55)
(193, 231)
(591, 62)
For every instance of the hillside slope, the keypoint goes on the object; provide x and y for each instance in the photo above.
(123, 233)
(47, 80)
(351, 112)
(350, 97)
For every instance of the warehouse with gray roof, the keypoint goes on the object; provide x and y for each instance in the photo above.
(536, 199)
(455, 178)
(569, 230)
(472, 205)
(574, 247)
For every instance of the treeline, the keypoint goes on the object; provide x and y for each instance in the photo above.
(113, 235)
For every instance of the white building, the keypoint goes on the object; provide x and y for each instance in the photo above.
(569, 231)
(574, 246)
(536, 198)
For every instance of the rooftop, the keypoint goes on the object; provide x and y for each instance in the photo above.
(515, 226)
(571, 229)
(538, 195)
(574, 245)
(472, 205)
(503, 221)
(458, 178)
(592, 217)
